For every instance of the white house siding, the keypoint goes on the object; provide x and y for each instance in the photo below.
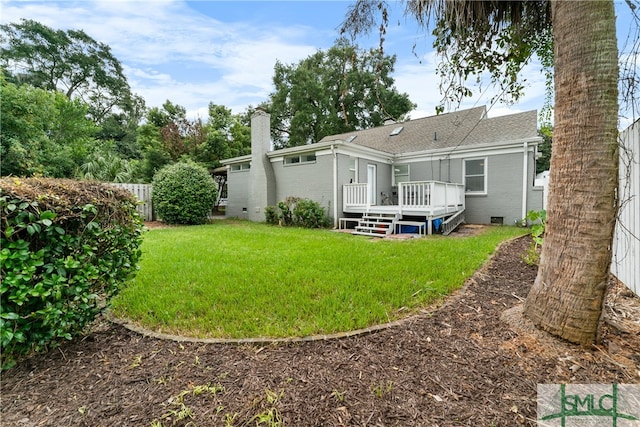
(238, 196)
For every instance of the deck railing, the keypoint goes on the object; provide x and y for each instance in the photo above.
(427, 196)
(355, 196)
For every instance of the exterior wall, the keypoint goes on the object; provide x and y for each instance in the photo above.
(504, 192)
(312, 180)
(445, 170)
(504, 185)
(237, 194)
(343, 163)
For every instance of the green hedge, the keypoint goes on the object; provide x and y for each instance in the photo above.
(183, 193)
(67, 247)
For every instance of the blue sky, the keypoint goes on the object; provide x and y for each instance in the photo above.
(196, 52)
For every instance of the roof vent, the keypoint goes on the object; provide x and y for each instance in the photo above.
(351, 138)
(396, 130)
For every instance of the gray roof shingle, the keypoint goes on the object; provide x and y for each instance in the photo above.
(460, 128)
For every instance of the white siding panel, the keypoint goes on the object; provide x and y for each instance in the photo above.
(625, 264)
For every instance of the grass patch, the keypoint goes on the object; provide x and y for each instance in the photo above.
(241, 279)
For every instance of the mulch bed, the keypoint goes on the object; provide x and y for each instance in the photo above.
(460, 364)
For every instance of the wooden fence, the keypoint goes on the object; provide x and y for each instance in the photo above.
(625, 264)
(143, 194)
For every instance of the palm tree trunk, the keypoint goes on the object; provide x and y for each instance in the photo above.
(567, 296)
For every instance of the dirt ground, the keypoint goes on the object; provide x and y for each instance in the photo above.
(461, 364)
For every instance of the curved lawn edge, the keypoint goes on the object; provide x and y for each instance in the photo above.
(449, 299)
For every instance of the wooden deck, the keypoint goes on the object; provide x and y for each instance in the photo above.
(430, 200)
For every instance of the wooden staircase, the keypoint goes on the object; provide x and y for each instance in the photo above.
(376, 224)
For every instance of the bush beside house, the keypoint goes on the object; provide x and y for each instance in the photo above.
(67, 247)
(183, 193)
(294, 211)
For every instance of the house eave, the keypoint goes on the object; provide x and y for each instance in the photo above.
(471, 149)
(235, 160)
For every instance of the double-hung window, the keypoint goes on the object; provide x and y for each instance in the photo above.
(475, 176)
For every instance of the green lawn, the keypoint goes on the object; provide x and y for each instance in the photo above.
(240, 279)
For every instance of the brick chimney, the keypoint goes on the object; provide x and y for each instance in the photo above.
(262, 183)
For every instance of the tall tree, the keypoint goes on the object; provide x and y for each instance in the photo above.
(225, 137)
(568, 293)
(331, 92)
(68, 61)
(42, 132)
(567, 296)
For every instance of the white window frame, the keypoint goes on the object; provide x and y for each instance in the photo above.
(240, 167)
(353, 171)
(300, 159)
(485, 174)
(408, 174)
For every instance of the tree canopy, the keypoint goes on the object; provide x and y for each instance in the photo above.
(334, 91)
(473, 38)
(67, 61)
(42, 132)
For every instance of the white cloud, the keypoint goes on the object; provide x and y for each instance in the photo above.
(228, 63)
(172, 51)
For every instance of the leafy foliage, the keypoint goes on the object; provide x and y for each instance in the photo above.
(331, 92)
(539, 219)
(294, 211)
(68, 61)
(42, 132)
(543, 163)
(183, 193)
(67, 248)
(169, 136)
(472, 38)
(106, 167)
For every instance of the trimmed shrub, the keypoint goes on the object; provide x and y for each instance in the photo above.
(67, 248)
(309, 214)
(294, 211)
(183, 193)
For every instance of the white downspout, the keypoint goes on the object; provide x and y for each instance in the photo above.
(335, 187)
(525, 180)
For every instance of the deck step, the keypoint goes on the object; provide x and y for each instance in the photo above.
(451, 223)
(376, 225)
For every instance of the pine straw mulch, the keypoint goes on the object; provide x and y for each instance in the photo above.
(457, 365)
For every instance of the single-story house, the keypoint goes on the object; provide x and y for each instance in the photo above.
(430, 173)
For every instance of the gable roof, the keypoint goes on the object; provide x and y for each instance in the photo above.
(450, 130)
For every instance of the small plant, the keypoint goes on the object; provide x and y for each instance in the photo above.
(538, 218)
(271, 215)
(339, 395)
(294, 211)
(381, 389)
(183, 412)
(271, 416)
(184, 193)
(230, 419)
